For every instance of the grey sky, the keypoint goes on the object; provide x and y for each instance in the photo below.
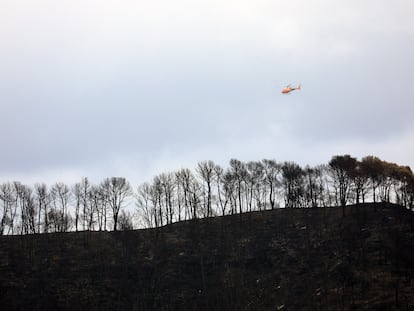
(135, 88)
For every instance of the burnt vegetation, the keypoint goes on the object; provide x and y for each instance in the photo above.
(216, 240)
(282, 259)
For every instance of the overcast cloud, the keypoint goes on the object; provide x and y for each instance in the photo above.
(135, 88)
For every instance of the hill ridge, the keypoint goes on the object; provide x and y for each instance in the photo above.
(293, 259)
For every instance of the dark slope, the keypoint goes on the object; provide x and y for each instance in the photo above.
(287, 259)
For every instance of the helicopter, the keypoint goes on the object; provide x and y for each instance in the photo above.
(287, 89)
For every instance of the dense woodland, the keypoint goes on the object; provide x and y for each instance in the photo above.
(210, 190)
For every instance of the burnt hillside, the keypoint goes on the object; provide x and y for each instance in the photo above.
(285, 259)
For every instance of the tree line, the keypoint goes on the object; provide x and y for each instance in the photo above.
(210, 190)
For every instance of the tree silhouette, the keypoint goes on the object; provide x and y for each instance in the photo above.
(145, 209)
(211, 190)
(342, 170)
(42, 198)
(116, 190)
(292, 181)
(373, 168)
(205, 170)
(360, 182)
(60, 196)
(238, 172)
(271, 170)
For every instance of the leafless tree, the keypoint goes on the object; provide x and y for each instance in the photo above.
(322, 186)
(145, 208)
(195, 194)
(179, 196)
(30, 210)
(25, 205)
(372, 167)
(116, 190)
(257, 171)
(14, 203)
(58, 221)
(249, 181)
(312, 187)
(125, 221)
(85, 187)
(77, 195)
(205, 170)
(184, 181)
(167, 183)
(156, 199)
(238, 171)
(7, 201)
(94, 211)
(60, 196)
(229, 191)
(359, 182)
(272, 170)
(342, 168)
(98, 205)
(221, 196)
(405, 178)
(42, 199)
(292, 180)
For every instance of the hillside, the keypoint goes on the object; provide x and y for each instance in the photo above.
(285, 259)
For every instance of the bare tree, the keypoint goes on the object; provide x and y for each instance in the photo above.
(259, 184)
(229, 191)
(95, 211)
(373, 167)
(85, 187)
(342, 170)
(88, 201)
(322, 187)
(311, 187)
(191, 192)
(360, 182)
(271, 172)
(386, 180)
(116, 190)
(405, 177)
(167, 184)
(25, 204)
(30, 211)
(98, 205)
(77, 195)
(238, 171)
(125, 221)
(205, 170)
(184, 180)
(7, 200)
(58, 221)
(219, 180)
(156, 199)
(19, 204)
(42, 199)
(144, 207)
(292, 180)
(249, 181)
(60, 195)
(179, 196)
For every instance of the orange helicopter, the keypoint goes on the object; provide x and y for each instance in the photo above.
(288, 89)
